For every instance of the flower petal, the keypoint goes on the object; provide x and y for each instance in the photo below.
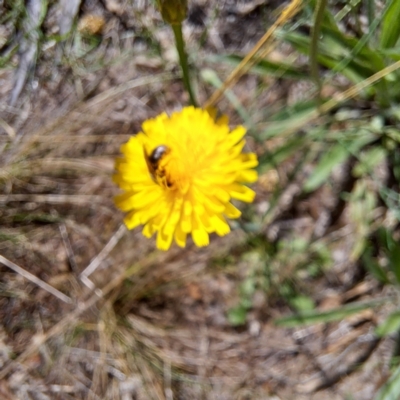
(249, 175)
(242, 193)
(231, 211)
(180, 237)
(220, 226)
(164, 240)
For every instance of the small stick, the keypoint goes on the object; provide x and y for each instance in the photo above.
(94, 264)
(35, 280)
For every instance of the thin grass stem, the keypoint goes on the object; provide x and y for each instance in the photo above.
(319, 15)
(251, 58)
(180, 46)
(27, 275)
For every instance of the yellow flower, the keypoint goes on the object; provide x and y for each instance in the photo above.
(179, 175)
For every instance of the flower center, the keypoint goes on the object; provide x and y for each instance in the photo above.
(173, 173)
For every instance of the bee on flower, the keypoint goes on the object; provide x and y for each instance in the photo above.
(180, 174)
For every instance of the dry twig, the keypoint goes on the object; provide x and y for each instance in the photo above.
(35, 280)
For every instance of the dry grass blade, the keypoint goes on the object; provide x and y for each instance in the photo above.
(28, 46)
(35, 280)
(85, 109)
(356, 89)
(113, 92)
(52, 198)
(292, 9)
(81, 139)
(102, 255)
(70, 319)
(68, 247)
(9, 129)
(69, 10)
(27, 168)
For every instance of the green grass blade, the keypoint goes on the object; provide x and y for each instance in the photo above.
(391, 325)
(394, 259)
(392, 200)
(336, 53)
(315, 39)
(313, 317)
(391, 390)
(393, 53)
(330, 160)
(369, 160)
(289, 120)
(337, 155)
(264, 67)
(373, 267)
(371, 11)
(391, 26)
(210, 76)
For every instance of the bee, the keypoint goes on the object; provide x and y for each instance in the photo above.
(156, 170)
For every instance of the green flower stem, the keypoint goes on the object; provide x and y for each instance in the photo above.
(180, 45)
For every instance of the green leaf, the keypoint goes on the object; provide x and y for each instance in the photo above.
(357, 51)
(315, 39)
(336, 52)
(390, 25)
(313, 317)
(265, 67)
(393, 53)
(392, 324)
(337, 155)
(369, 161)
(302, 303)
(392, 200)
(341, 53)
(385, 238)
(373, 267)
(289, 120)
(237, 315)
(330, 160)
(391, 390)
